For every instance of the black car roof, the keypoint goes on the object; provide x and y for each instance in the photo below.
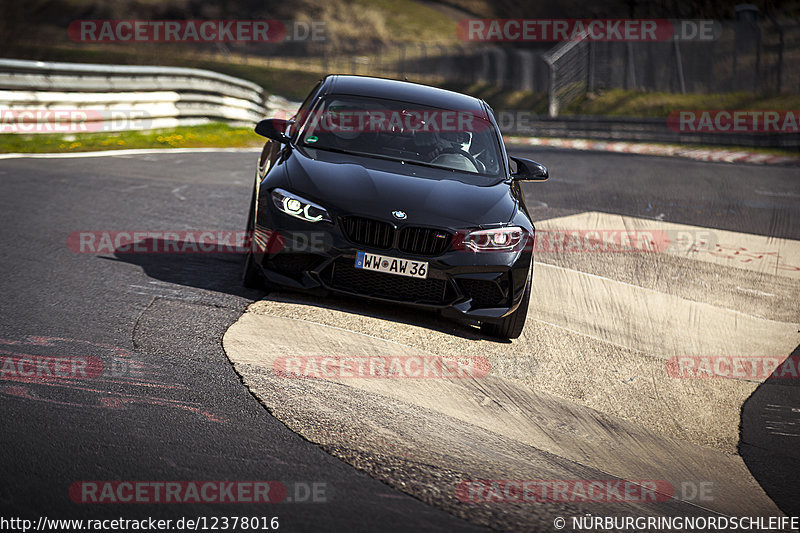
(403, 91)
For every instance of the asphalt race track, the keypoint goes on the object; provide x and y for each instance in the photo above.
(585, 393)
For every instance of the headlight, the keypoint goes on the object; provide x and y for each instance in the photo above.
(299, 207)
(495, 240)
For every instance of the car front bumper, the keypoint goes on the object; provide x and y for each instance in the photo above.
(460, 283)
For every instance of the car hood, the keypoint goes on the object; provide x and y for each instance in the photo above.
(347, 184)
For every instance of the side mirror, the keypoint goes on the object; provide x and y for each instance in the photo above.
(273, 128)
(528, 170)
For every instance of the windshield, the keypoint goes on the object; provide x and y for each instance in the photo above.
(460, 141)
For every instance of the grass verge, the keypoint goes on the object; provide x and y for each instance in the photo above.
(622, 103)
(215, 135)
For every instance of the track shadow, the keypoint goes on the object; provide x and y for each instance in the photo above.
(769, 435)
(222, 272)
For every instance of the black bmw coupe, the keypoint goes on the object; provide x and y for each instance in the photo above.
(398, 192)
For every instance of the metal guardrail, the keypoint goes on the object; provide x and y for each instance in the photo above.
(120, 97)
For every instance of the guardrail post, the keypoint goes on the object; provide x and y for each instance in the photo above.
(630, 68)
(679, 65)
(552, 99)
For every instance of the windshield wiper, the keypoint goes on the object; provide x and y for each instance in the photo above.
(439, 167)
(397, 159)
(341, 151)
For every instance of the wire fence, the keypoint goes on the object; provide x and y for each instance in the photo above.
(569, 64)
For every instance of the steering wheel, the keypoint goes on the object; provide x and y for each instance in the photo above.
(477, 164)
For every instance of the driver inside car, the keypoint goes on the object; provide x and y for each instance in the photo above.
(338, 127)
(452, 153)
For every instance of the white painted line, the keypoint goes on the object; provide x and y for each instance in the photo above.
(115, 153)
(755, 292)
(177, 192)
(778, 194)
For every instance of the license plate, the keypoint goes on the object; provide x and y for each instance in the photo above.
(392, 265)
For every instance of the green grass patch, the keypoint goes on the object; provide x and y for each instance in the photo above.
(216, 135)
(620, 102)
(291, 84)
(503, 99)
(411, 21)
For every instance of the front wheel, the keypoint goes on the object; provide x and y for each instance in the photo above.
(251, 277)
(511, 326)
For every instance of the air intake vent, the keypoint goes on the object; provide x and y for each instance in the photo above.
(368, 232)
(424, 241)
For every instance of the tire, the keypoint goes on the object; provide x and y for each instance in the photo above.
(251, 277)
(511, 326)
